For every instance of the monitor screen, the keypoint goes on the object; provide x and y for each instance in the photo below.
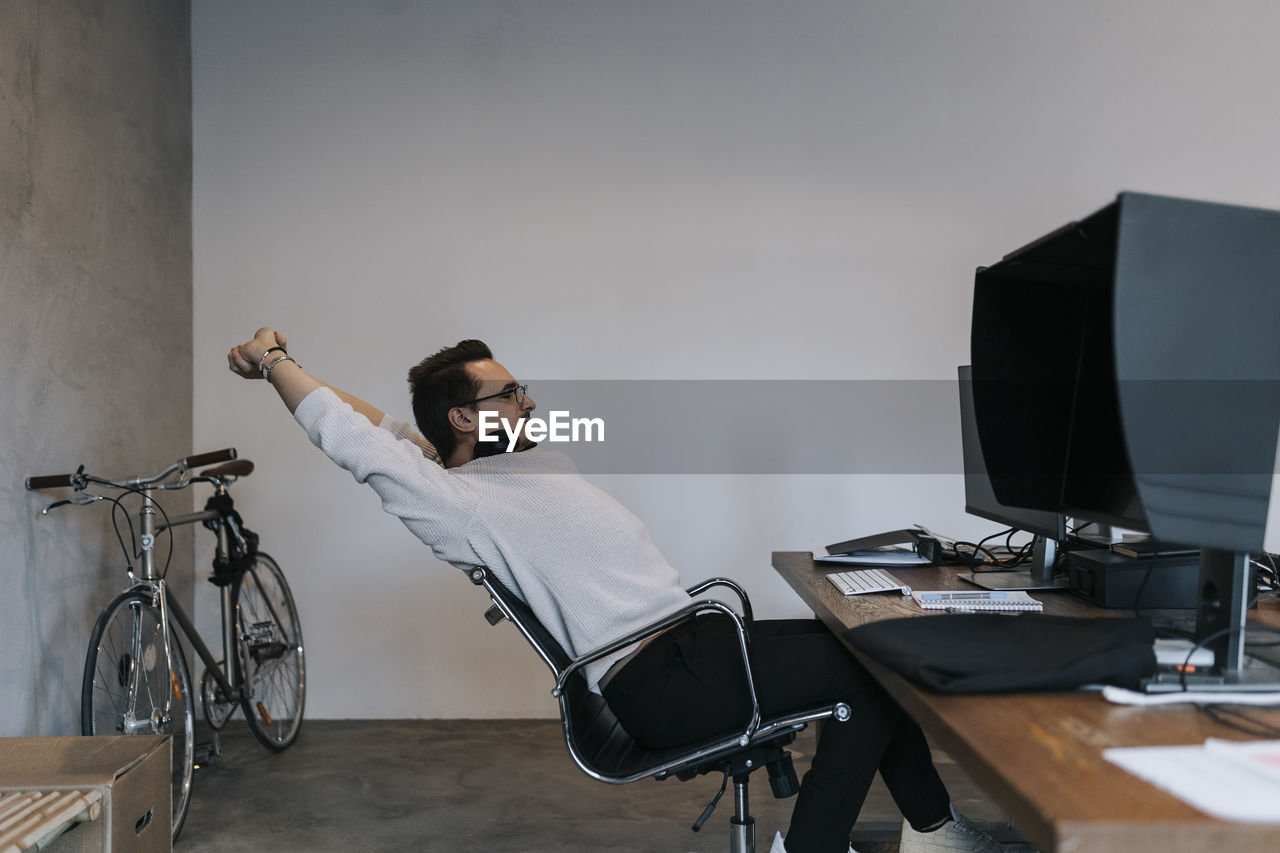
(1125, 370)
(1043, 345)
(979, 496)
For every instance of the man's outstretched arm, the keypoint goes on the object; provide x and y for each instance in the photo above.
(291, 382)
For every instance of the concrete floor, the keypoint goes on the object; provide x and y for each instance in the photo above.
(461, 785)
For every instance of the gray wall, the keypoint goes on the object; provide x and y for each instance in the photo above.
(616, 190)
(95, 313)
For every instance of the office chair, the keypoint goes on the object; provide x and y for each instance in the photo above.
(604, 751)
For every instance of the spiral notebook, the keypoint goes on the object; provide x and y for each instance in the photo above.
(984, 601)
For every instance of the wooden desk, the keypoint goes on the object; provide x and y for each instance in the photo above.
(1039, 755)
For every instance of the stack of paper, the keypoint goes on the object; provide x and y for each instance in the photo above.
(1231, 780)
(889, 555)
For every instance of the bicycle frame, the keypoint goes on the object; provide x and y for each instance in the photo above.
(151, 525)
(152, 521)
(146, 577)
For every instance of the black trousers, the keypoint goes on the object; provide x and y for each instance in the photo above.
(690, 683)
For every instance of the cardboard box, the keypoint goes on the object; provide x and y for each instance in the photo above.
(133, 774)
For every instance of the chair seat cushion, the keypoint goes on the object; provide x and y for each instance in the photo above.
(605, 747)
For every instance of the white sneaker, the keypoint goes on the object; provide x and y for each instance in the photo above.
(779, 847)
(957, 834)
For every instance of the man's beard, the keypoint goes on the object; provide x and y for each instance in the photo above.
(494, 448)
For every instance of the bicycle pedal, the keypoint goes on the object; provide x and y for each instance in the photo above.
(265, 651)
(206, 752)
(262, 632)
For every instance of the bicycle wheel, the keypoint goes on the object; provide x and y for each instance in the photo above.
(129, 688)
(271, 655)
(216, 711)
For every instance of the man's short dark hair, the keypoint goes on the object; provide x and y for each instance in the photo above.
(437, 384)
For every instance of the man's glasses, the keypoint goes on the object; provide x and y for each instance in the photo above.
(516, 392)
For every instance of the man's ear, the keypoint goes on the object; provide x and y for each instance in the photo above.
(461, 421)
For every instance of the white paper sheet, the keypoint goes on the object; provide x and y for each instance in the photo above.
(1220, 778)
(1121, 696)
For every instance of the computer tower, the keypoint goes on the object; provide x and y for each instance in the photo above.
(1113, 581)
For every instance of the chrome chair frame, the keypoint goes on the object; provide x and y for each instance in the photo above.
(602, 749)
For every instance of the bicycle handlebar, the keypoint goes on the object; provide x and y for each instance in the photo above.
(56, 481)
(209, 458)
(52, 481)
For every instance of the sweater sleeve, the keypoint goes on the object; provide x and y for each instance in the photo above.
(435, 505)
(403, 431)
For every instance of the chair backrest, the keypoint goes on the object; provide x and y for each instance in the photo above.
(513, 608)
(595, 738)
(597, 742)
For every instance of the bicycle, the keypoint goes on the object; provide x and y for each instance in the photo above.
(136, 679)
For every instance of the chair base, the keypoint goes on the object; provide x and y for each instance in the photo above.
(782, 779)
(742, 835)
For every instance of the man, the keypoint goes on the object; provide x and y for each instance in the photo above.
(591, 573)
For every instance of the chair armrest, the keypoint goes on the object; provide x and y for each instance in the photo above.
(554, 658)
(699, 588)
(655, 628)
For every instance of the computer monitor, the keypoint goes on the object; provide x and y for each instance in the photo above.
(1125, 370)
(1047, 528)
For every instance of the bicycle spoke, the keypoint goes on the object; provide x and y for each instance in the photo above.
(266, 600)
(101, 682)
(271, 648)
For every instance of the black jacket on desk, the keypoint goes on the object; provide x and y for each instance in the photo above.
(995, 653)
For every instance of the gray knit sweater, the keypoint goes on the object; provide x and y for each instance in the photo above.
(584, 564)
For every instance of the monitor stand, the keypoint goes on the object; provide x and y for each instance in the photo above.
(1039, 575)
(1226, 588)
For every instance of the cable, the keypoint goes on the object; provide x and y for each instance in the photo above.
(1142, 587)
(978, 549)
(164, 573)
(129, 552)
(116, 503)
(1182, 675)
(1219, 713)
(1274, 580)
(1244, 723)
(994, 563)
